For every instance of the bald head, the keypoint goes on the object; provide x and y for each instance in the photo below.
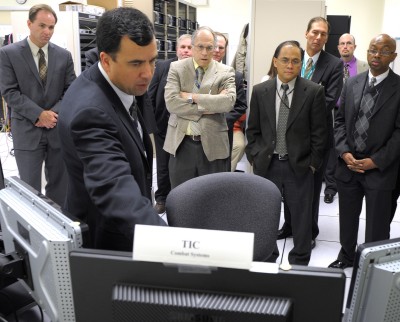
(346, 47)
(381, 52)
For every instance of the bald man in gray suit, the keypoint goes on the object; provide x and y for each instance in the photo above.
(34, 75)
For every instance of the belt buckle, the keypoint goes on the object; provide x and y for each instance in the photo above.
(282, 157)
(195, 138)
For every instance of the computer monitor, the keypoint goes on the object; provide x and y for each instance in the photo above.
(111, 286)
(38, 238)
(374, 293)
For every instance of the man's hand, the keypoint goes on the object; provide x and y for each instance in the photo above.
(47, 119)
(359, 166)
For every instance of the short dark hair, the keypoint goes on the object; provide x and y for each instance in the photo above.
(318, 19)
(120, 22)
(293, 43)
(33, 11)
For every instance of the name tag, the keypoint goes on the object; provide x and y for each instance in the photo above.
(190, 246)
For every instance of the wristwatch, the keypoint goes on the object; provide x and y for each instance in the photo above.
(190, 99)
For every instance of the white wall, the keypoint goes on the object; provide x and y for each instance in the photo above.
(367, 17)
(226, 16)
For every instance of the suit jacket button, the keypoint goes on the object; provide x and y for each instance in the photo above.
(273, 142)
(269, 156)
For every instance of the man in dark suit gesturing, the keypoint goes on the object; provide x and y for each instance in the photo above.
(367, 137)
(107, 152)
(34, 75)
(287, 134)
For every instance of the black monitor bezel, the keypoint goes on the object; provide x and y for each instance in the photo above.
(318, 293)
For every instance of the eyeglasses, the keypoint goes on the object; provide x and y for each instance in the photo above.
(384, 53)
(201, 48)
(286, 61)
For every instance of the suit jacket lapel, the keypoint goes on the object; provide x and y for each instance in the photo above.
(320, 68)
(51, 62)
(298, 99)
(358, 90)
(389, 88)
(27, 54)
(268, 100)
(119, 109)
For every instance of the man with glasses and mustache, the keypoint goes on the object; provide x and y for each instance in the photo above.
(198, 93)
(287, 134)
(367, 138)
(326, 70)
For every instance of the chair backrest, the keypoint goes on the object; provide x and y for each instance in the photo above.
(229, 201)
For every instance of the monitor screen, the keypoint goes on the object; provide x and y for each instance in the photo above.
(111, 286)
(374, 293)
(36, 231)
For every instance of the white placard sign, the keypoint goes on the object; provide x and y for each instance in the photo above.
(190, 246)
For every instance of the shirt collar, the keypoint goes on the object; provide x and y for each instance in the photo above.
(35, 49)
(314, 58)
(379, 78)
(351, 62)
(126, 99)
(291, 84)
(197, 65)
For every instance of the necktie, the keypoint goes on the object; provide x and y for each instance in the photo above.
(364, 114)
(133, 110)
(195, 126)
(199, 76)
(346, 73)
(308, 71)
(281, 147)
(42, 67)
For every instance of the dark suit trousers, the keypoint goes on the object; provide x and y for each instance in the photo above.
(30, 164)
(298, 192)
(329, 176)
(316, 200)
(378, 210)
(162, 159)
(190, 162)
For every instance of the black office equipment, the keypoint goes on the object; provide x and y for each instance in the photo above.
(99, 278)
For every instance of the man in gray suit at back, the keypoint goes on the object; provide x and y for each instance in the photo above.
(34, 75)
(198, 93)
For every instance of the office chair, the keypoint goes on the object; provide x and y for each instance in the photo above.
(229, 201)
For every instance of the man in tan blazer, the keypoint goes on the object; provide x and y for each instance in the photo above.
(197, 133)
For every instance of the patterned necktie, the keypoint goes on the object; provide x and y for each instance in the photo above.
(364, 114)
(346, 73)
(42, 67)
(308, 73)
(195, 126)
(199, 76)
(281, 147)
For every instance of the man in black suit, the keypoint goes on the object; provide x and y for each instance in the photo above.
(367, 137)
(326, 70)
(106, 149)
(34, 75)
(287, 134)
(156, 94)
